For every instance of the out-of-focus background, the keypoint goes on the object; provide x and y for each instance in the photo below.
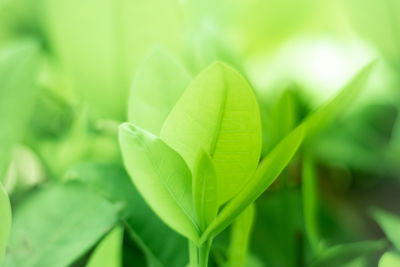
(296, 54)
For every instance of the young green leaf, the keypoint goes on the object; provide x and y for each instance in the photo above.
(18, 69)
(109, 251)
(158, 242)
(205, 195)
(390, 224)
(240, 238)
(341, 254)
(390, 259)
(5, 222)
(324, 115)
(56, 225)
(218, 113)
(265, 175)
(157, 86)
(161, 176)
(309, 191)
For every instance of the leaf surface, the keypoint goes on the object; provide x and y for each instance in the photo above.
(158, 242)
(390, 259)
(390, 224)
(161, 176)
(265, 175)
(56, 225)
(218, 113)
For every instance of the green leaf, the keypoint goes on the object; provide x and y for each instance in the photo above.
(18, 69)
(341, 254)
(56, 225)
(265, 175)
(310, 204)
(390, 259)
(109, 251)
(158, 241)
(240, 238)
(205, 195)
(324, 115)
(218, 113)
(5, 222)
(158, 84)
(161, 176)
(390, 224)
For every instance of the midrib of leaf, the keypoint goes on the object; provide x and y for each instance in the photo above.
(65, 227)
(170, 192)
(203, 212)
(221, 113)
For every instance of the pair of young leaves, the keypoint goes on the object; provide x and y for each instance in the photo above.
(207, 153)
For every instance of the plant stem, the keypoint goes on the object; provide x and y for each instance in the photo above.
(198, 256)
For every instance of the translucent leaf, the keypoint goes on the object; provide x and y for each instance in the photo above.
(161, 176)
(5, 222)
(218, 113)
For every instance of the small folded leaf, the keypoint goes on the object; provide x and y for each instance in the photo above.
(5, 221)
(240, 238)
(265, 175)
(390, 259)
(341, 254)
(58, 224)
(161, 176)
(390, 224)
(324, 115)
(205, 196)
(157, 86)
(218, 113)
(309, 191)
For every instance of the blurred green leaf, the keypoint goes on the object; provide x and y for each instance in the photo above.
(109, 251)
(5, 222)
(264, 176)
(240, 238)
(390, 224)
(390, 259)
(56, 225)
(310, 204)
(106, 43)
(157, 86)
(205, 195)
(341, 254)
(219, 114)
(324, 115)
(18, 70)
(158, 241)
(161, 176)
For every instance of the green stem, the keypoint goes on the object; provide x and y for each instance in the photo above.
(198, 256)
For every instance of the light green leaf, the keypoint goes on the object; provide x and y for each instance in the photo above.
(310, 204)
(5, 222)
(157, 86)
(109, 251)
(240, 238)
(324, 115)
(18, 69)
(390, 259)
(158, 242)
(205, 195)
(265, 175)
(218, 113)
(390, 224)
(161, 176)
(56, 225)
(341, 254)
